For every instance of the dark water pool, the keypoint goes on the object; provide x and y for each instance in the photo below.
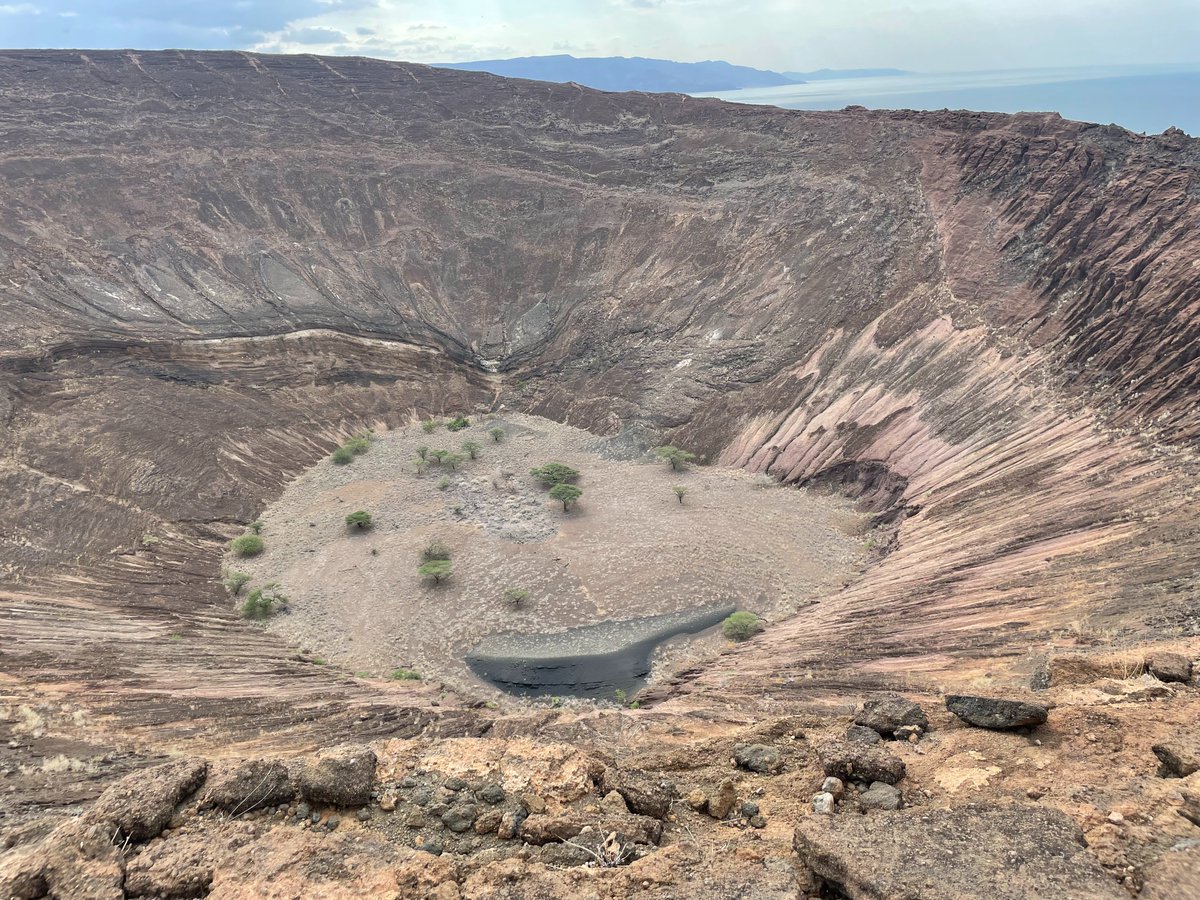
(593, 661)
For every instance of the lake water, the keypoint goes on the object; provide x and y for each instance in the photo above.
(1141, 98)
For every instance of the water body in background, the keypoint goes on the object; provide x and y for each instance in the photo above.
(1141, 98)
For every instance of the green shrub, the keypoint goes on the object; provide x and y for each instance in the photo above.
(342, 455)
(235, 581)
(406, 675)
(419, 464)
(497, 434)
(516, 595)
(553, 473)
(247, 545)
(471, 448)
(436, 569)
(679, 459)
(150, 540)
(458, 423)
(360, 519)
(358, 444)
(679, 492)
(256, 526)
(422, 453)
(566, 494)
(435, 549)
(443, 483)
(741, 626)
(264, 602)
(439, 456)
(453, 460)
(429, 426)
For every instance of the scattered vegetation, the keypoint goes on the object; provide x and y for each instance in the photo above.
(566, 494)
(406, 675)
(422, 453)
(741, 626)
(358, 444)
(429, 426)
(439, 456)
(443, 483)
(458, 423)
(359, 519)
(497, 434)
(679, 492)
(264, 602)
(471, 448)
(516, 595)
(419, 464)
(247, 545)
(436, 570)
(453, 460)
(678, 459)
(553, 473)
(235, 581)
(150, 540)
(256, 526)
(342, 455)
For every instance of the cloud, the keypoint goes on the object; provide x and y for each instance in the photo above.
(19, 9)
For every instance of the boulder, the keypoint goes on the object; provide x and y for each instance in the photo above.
(880, 796)
(140, 805)
(761, 758)
(642, 794)
(696, 799)
(998, 715)
(858, 762)
(1170, 667)
(721, 803)
(460, 817)
(343, 776)
(244, 784)
(885, 716)
(544, 829)
(860, 734)
(981, 851)
(78, 860)
(1179, 758)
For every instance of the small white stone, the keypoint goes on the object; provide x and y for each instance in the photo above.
(1116, 818)
(823, 803)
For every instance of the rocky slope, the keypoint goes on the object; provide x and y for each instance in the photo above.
(213, 266)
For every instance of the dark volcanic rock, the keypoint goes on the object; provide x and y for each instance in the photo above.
(988, 712)
(860, 734)
(1170, 667)
(984, 852)
(761, 758)
(642, 794)
(857, 762)
(880, 796)
(890, 713)
(343, 776)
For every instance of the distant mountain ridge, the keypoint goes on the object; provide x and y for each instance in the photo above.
(621, 73)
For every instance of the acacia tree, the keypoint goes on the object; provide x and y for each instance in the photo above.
(453, 460)
(497, 434)
(678, 459)
(553, 473)
(679, 492)
(471, 448)
(566, 494)
(436, 570)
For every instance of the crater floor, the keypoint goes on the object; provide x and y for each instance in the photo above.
(628, 549)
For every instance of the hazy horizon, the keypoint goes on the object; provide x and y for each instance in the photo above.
(928, 36)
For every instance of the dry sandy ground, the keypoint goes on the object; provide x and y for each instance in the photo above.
(628, 549)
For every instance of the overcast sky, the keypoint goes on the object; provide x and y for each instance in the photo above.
(926, 35)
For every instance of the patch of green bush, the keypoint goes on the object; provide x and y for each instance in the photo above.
(342, 455)
(429, 426)
(358, 445)
(247, 545)
(235, 581)
(436, 569)
(566, 494)
(741, 626)
(359, 519)
(553, 473)
(458, 423)
(497, 434)
(264, 602)
(442, 483)
(471, 448)
(678, 459)
(435, 549)
(406, 675)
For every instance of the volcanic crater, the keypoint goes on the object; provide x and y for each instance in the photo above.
(968, 339)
